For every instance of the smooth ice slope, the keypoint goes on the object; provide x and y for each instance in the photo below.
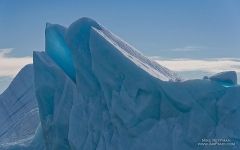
(133, 54)
(56, 48)
(99, 93)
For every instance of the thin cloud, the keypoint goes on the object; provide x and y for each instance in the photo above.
(10, 66)
(187, 49)
(205, 65)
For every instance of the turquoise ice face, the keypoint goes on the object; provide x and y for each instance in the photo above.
(227, 85)
(58, 50)
(60, 42)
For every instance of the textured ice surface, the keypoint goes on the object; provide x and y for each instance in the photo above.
(56, 102)
(96, 92)
(18, 109)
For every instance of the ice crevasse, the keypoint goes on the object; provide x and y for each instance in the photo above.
(90, 90)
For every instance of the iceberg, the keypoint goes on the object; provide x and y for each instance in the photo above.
(228, 77)
(91, 90)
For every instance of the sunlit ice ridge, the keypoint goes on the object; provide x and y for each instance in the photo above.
(61, 44)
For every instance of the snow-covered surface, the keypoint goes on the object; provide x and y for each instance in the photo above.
(133, 54)
(99, 93)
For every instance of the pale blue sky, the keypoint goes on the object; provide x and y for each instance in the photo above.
(186, 28)
(202, 32)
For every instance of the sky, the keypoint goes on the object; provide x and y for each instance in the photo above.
(173, 30)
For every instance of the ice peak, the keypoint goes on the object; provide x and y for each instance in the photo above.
(66, 45)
